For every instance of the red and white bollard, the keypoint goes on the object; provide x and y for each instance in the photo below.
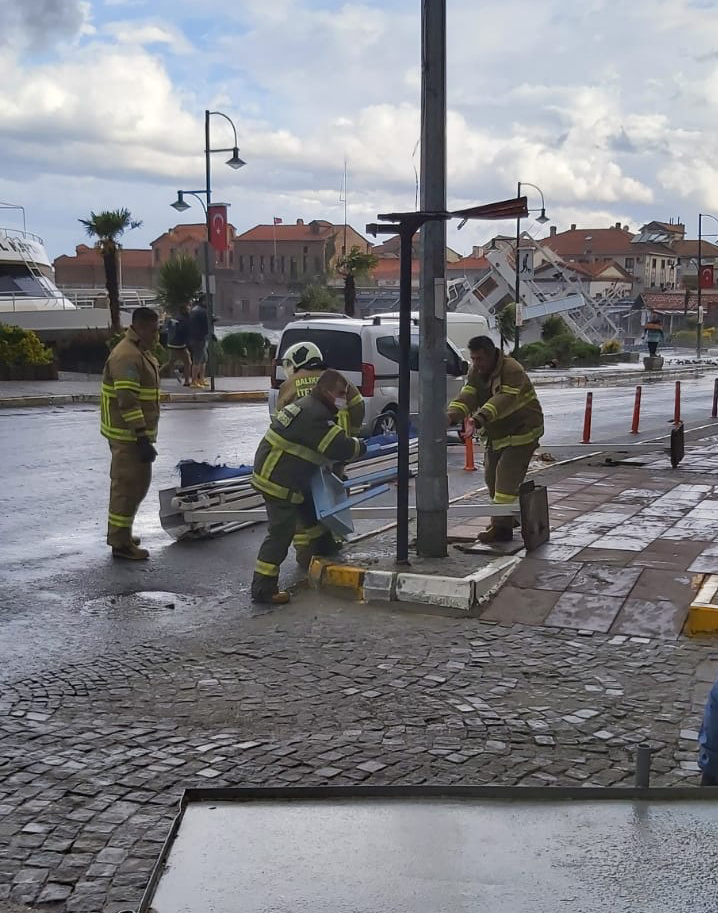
(588, 414)
(636, 411)
(677, 405)
(469, 428)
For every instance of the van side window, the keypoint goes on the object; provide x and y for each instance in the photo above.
(388, 346)
(341, 349)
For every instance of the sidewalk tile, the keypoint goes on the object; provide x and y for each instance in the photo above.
(581, 610)
(672, 586)
(650, 618)
(552, 551)
(538, 575)
(615, 557)
(619, 543)
(669, 554)
(516, 606)
(605, 580)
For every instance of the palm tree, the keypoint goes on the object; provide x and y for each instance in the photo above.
(107, 227)
(350, 265)
(180, 281)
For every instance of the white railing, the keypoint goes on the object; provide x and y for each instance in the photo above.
(19, 233)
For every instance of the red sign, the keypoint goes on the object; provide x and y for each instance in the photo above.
(706, 277)
(218, 227)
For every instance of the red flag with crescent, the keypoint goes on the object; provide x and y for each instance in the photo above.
(218, 227)
(706, 277)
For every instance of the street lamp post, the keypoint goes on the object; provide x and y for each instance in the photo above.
(699, 325)
(234, 162)
(541, 219)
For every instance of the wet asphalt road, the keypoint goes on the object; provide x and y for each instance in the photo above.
(62, 599)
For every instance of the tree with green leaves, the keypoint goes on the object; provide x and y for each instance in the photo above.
(350, 266)
(318, 298)
(107, 227)
(506, 323)
(180, 281)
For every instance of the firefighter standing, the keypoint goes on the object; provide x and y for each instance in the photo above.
(302, 436)
(304, 364)
(130, 413)
(503, 403)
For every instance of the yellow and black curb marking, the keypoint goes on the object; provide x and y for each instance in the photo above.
(702, 617)
(343, 579)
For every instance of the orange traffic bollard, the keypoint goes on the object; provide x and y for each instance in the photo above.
(469, 465)
(636, 411)
(677, 405)
(587, 419)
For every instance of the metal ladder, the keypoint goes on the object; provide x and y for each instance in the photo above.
(37, 274)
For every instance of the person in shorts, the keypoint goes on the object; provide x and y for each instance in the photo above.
(198, 342)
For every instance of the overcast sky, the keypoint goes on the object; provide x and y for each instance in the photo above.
(611, 107)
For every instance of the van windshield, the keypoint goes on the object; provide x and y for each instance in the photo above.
(341, 350)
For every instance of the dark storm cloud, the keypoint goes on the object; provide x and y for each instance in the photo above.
(38, 24)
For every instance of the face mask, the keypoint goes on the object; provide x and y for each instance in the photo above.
(340, 402)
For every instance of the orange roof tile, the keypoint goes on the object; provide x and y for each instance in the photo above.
(582, 241)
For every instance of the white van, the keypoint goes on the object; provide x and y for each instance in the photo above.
(366, 352)
(460, 328)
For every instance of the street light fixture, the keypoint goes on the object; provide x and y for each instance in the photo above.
(181, 205)
(542, 218)
(699, 325)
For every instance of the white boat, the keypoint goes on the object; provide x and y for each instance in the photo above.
(27, 278)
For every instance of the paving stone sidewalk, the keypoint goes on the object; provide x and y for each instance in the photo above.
(629, 547)
(93, 758)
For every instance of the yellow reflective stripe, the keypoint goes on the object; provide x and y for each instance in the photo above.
(517, 440)
(461, 407)
(513, 391)
(343, 420)
(270, 464)
(266, 569)
(127, 385)
(276, 491)
(133, 415)
(470, 389)
(150, 396)
(355, 400)
(124, 434)
(311, 532)
(120, 520)
(109, 391)
(501, 498)
(491, 409)
(329, 437)
(297, 450)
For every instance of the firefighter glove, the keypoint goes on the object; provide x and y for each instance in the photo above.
(148, 454)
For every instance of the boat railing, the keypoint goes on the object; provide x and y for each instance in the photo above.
(19, 233)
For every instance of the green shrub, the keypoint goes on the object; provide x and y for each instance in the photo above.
(22, 347)
(252, 346)
(611, 347)
(584, 354)
(689, 337)
(553, 327)
(535, 355)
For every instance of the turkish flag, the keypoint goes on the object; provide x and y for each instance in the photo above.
(706, 277)
(218, 227)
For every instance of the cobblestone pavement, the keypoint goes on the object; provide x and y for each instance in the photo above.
(93, 757)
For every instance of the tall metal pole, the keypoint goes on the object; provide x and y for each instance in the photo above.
(699, 324)
(207, 244)
(517, 282)
(402, 493)
(432, 488)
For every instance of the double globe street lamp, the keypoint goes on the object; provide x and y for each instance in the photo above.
(181, 205)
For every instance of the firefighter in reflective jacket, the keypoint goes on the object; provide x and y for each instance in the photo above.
(302, 436)
(304, 364)
(130, 413)
(503, 403)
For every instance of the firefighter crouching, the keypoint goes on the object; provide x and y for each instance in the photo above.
(304, 364)
(503, 403)
(302, 436)
(129, 416)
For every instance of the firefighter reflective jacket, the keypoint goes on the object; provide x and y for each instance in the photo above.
(506, 401)
(303, 382)
(302, 436)
(130, 391)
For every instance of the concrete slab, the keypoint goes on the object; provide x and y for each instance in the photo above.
(513, 605)
(605, 580)
(584, 612)
(541, 575)
(650, 618)
(423, 855)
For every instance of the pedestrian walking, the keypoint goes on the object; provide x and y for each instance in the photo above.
(302, 436)
(198, 341)
(503, 403)
(708, 740)
(304, 364)
(130, 414)
(653, 333)
(177, 345)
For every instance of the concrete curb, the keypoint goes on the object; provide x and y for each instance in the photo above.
(462, 595)
(702, 618)
(67, 399)
(619, 378)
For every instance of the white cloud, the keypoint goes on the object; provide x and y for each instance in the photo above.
(128, 32)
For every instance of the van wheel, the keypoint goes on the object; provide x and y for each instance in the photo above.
(385, 423)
